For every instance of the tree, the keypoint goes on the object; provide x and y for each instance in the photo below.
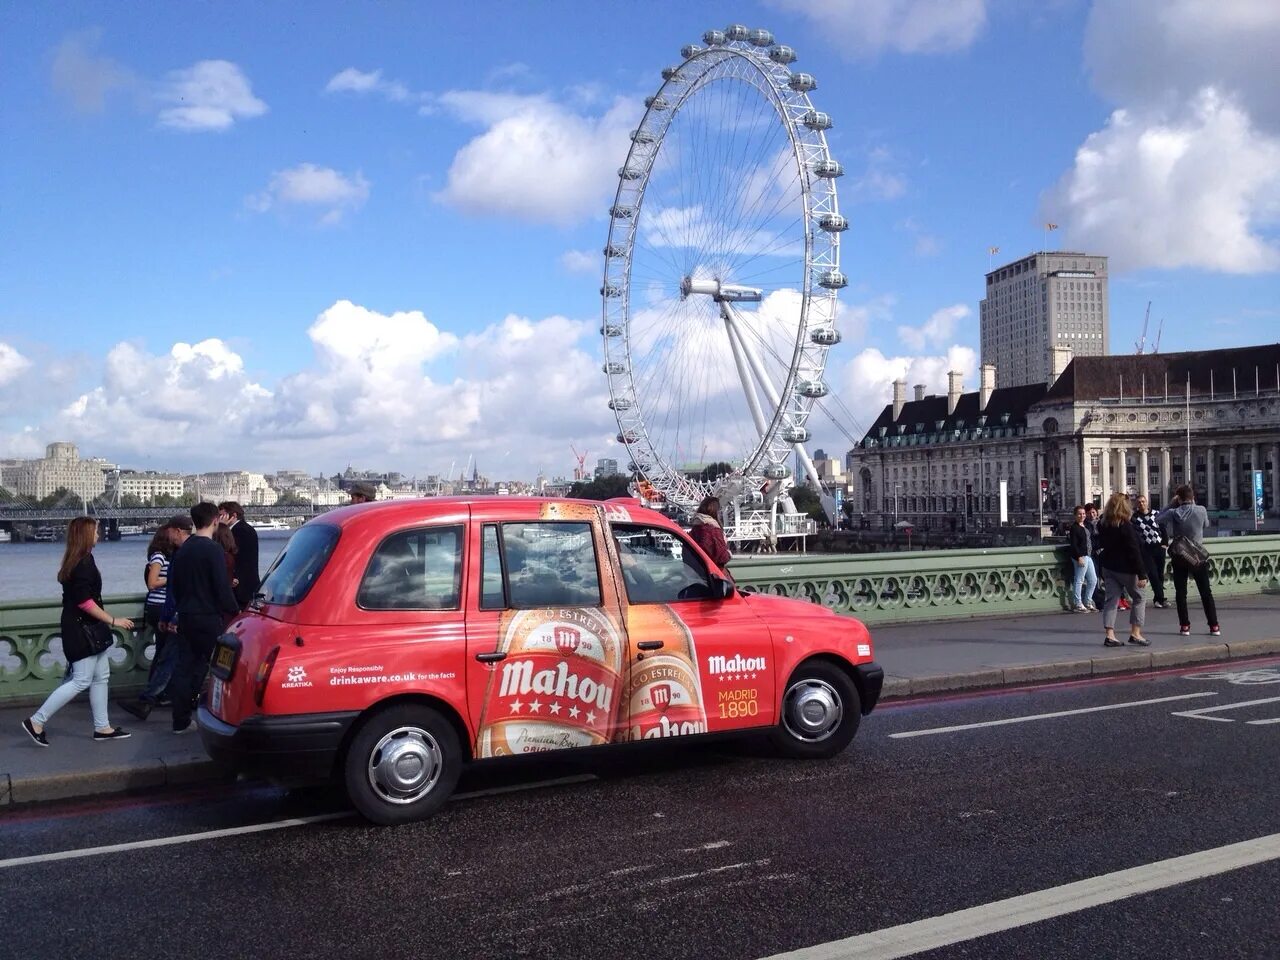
(62, 498)
(291, 499)
(130, 500)
(807, 501)
(713, 472)
(601, 488)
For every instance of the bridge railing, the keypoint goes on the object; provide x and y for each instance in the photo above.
(875, 587)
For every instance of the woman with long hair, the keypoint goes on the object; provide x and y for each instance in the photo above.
(707, 534)
(81, 609)
(224, 538)
(1123, 568)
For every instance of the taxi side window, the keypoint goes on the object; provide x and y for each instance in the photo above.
(415, 570)
(658, 566)
(492, 594)
(548, 565)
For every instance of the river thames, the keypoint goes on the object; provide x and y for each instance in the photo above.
(29, 571)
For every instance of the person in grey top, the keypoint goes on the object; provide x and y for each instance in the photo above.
(1186, 518)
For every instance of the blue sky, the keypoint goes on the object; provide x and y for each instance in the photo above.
(266, 236)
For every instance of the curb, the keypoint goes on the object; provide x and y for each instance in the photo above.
(160, 772)
(898, 688)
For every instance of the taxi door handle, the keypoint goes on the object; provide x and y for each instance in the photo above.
(491, 657)
(649, 645)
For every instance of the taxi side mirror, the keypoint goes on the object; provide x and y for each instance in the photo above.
(722, 589)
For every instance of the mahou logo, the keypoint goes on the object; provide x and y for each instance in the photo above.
(568, 639)
(736, 664)
(660, 693)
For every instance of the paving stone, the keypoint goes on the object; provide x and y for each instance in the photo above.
(1122, 662)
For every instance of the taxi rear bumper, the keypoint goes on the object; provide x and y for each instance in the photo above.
(284, 749)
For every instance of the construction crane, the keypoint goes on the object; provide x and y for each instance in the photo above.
(1159, 333)
(1141, 342)
(580, 471)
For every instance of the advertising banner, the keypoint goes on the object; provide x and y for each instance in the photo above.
(1004, 501)
(1257, 499)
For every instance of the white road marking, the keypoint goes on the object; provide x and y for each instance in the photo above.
(1048, 716)
(1259, 723)
(259, 827)
(1200, 714)
(713, 845)
(963, 925)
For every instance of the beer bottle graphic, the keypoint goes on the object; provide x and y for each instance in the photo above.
(664, 694)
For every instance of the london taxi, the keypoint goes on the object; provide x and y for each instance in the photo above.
(394, 642)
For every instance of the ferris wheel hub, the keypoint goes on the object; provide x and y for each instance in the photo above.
(720, 292)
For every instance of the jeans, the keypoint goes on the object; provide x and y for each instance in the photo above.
(1201, 576)
(1153, 554)
(92, 674)
(1118, 585)
(195, 642)
(1085, 575)
(165, 656)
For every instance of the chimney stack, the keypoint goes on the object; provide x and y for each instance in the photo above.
(986, 385)
(1059, 359)
(955, 387)
(899, 396)
(919, 391)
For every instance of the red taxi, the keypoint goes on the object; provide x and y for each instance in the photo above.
(393, 642)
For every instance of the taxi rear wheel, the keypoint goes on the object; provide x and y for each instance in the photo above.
(402, 764)
(820, 713)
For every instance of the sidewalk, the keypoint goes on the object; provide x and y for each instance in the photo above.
(917, 658)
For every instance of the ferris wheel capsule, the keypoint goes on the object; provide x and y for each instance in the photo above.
(816, 120)
(656, 103)
(813, 389)
(672, 75)
(610, 290)
(777, 471)
(802, 82)
(630, 173)
(828, 169)
(713, 38)
(615, 369)
(832, 280)
(614, 250)
(627, 437)
(833, 223)
(642, 136)
(782, 54)
(759, 38)
(825, 336)
(736, 31)
(612, 330)
(690, 50)
(795, 434)
(622, 211)
(621, 403)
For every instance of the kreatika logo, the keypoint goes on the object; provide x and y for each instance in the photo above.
(296, 677)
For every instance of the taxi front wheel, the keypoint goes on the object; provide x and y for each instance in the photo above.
(402, 764)
(820, 713)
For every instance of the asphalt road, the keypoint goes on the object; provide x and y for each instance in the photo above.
(713, 852)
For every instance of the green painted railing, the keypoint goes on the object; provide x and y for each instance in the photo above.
(875, 587)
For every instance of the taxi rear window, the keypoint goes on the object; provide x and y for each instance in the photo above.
(299, 564)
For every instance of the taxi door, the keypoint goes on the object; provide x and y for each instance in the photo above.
(545, 645)
(698, 663)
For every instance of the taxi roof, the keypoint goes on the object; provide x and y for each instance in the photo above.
(619, 509)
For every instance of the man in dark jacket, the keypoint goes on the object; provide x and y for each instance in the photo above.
(1083, 572)
(247, 579)
(1152, 539)
(202, 594)
(1186, 518)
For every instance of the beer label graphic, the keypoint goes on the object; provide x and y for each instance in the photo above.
(558, 686)
(664, 694)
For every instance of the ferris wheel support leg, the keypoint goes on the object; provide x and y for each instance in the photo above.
(735, 344)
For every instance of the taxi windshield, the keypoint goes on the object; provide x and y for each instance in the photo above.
(299, 564)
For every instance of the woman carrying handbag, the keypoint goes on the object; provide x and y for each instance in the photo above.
(86, 636)
(1186, 522)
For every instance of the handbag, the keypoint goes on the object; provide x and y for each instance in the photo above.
(1188, 552)
(97, 635)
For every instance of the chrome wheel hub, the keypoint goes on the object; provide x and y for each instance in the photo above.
(812, 711)
(405, 765)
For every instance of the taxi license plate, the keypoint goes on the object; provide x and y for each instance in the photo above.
(225, 655)
(217, 690)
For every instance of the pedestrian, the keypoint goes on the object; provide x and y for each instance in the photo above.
(1123, 568)
(707, 534)
(1091, 524)
(1186, 518)
(202, 594)
(362, 492)
(1083, 572)
(232, 514)
(165, 656)
(86, 637)
(1152, 539)
(223, 537)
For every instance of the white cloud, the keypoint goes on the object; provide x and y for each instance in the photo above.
(12, 363)
(380, 389)
(881, 179)
(320, 188)
(84, 77)
(538, 160)
(1191, 189)
(864, 28)
(866, 382)
(581, 261)
(210, 95)
(352, 80)
(937, 330)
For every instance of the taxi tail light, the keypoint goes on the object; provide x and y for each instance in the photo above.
(263, 675)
